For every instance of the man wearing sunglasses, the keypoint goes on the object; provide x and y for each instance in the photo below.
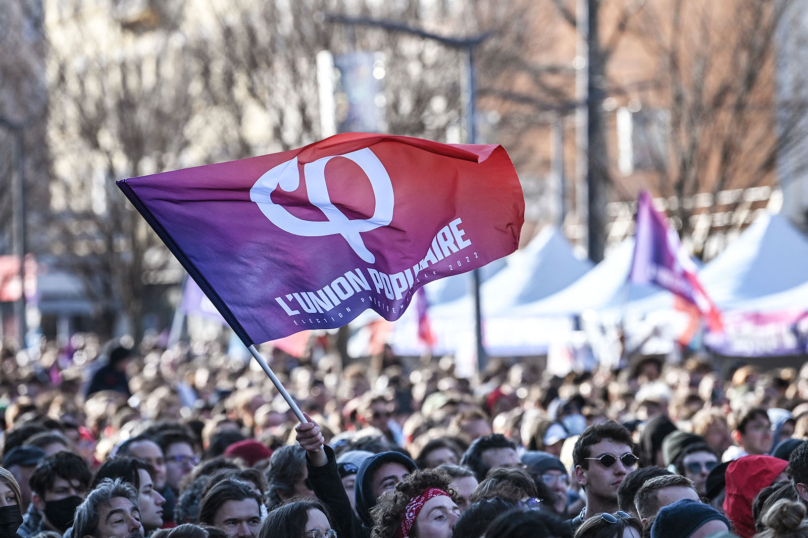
(695, 463)
(603, 456)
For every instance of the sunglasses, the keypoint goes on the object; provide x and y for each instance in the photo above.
(697, 466)
(607, 460)
(612, 519)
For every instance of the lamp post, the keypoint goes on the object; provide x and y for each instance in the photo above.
(19, 234)
(467, 45)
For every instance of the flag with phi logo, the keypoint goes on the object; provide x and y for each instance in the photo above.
(310, 238)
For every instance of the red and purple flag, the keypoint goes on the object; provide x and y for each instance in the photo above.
(425, 334)
(310, 238)
(660, 259)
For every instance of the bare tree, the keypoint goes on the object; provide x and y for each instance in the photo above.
(113, 116)
(717, 79)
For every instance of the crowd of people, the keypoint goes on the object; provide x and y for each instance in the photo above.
(120, 442)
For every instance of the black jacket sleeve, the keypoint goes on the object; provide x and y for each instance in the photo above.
(327, 485)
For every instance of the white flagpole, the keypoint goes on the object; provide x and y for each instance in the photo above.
(277, 383)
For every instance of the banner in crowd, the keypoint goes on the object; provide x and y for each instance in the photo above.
(762, 334)
(310, 238)
(660, 259)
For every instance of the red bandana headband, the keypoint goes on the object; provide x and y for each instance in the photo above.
(414, 508)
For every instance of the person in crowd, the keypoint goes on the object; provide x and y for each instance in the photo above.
(470, 425)
(376, 475)
(653, 435)
(144, 448)
(140, 474)
(746, 477)
(50, 442)
(298, 519)
(422, 505)
(112, 375)
(440, 451)
(233, 507)
(249, 450)
(348, 466)
(602, 457)
(464, 483)
(59, 484)
(510, 483)
(695, 463)
(287, 476)
(546, 436)
(676, 443)
(752, 432)
(662, 491)
(10, 505)
(110, 511)
(551, 479)
(21, 462)
(474, 521)
(784, 519)
(688, 519)
(767, 497)
(711, 425)
(784, 448)
(179, 456)
(797, 471)
(490, 452)
(627, 492)
(606, 525)
(376, 411)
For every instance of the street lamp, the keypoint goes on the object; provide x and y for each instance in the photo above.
(466, 44)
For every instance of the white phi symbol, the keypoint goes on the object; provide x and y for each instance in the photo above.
(287, 177)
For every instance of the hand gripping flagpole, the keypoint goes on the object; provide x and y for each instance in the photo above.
(278, 385)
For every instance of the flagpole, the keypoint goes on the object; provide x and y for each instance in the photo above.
(277, 382)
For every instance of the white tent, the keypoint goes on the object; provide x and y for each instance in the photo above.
(545, 266)
(769, 257)
(603, 287)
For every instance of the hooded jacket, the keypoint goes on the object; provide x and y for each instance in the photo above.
(746, 477)
(365, 500)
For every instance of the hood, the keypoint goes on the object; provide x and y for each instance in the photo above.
(364, 493)
(746, 477)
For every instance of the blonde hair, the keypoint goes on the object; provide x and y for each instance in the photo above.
(785, 519)
(8, 479)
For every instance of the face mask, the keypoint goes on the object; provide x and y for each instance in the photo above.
(575, 424)
(60, 513)
(10, 521)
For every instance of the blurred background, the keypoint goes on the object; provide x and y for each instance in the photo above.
(701, 102)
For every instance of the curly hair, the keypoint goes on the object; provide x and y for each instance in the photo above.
(596, 433)
(798, 464)
(389, 510)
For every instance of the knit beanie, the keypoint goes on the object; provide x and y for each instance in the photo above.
(538, 463)
(682, 518)
(250, 450)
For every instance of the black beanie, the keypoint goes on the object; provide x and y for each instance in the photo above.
(365, 500)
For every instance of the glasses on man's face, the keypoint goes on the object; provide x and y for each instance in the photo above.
(533, 503)
(759, 428)
(612, 518)
(318, 533)
(553, 479)
(381, 414)
(181, 459)
(698, 466)
(607, 460)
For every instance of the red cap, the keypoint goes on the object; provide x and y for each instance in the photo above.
(249, 450)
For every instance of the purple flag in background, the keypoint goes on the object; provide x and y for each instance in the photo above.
(310, 238)
(660, 259)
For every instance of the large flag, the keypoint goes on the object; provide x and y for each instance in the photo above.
(660, 259)
(310, 238)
